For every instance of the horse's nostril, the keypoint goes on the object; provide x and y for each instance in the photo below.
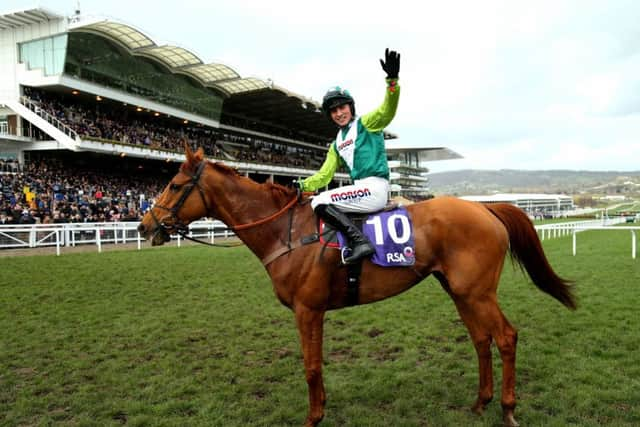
(141, 228)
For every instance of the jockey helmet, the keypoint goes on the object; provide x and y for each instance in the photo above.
(335, 97)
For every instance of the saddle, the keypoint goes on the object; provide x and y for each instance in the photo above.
(389, 230)
(329, 235)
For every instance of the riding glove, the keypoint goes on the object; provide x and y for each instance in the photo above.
(391, 63)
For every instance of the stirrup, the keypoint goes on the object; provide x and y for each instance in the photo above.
(344, 253)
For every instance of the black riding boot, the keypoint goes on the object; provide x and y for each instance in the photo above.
(360, 246)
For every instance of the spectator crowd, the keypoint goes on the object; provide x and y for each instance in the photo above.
(53, 191)
(122, 126)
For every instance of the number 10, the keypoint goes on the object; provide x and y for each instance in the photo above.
(376, 221)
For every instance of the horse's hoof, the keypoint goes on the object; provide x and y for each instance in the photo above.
(509, 420)
(312, 421)
(480, 405)
(478, 408)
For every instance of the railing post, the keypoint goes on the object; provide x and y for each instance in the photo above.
(32, 237)
(574, 242)
(633, 244)
(66, 240)
(98, 240)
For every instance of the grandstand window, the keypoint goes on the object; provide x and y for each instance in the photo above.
(47, 54)
(94, 58)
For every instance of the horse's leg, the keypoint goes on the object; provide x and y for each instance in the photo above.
(506, 339)
(310, 324)
(485, 321)
(481, 339)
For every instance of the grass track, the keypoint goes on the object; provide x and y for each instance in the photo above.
(194, 337)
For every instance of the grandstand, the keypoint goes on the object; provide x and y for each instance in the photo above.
(88, 103)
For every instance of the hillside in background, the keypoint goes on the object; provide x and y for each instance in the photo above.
(476, 182)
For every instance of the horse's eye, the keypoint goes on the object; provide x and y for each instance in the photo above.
(174, 187)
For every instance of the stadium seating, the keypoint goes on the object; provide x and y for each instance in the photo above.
(100, 122)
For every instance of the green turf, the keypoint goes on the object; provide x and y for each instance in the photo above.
(194, 336)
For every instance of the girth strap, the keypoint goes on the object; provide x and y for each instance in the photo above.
(307, 240)
(353, 282)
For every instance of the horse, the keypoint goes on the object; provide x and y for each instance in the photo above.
(462, 243)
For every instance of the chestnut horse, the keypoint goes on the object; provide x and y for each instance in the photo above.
(463, 244)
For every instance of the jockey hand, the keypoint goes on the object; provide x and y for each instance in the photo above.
(391, 63)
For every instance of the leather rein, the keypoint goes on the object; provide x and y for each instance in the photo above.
(182, 229)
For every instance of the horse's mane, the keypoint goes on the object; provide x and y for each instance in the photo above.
(190, 165)
(277, 190)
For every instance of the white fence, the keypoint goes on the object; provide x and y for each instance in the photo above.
(573, 228)
(559, 229)
(99, 233)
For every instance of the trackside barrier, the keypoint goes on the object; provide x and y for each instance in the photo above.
(573, 228)
(99, 233)
(549, 231)
(632, 229)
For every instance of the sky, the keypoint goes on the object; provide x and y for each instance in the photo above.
(534, 85)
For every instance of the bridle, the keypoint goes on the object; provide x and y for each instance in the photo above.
(182, 228)
(177, 225)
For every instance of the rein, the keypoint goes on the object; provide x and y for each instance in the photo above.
(184, 235)
(182, 229)
(267, 219)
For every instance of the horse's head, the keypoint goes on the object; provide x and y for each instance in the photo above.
(182, 202)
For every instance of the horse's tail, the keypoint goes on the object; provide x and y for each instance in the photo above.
(527, 250)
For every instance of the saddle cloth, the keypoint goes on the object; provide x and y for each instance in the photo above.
(390, 231)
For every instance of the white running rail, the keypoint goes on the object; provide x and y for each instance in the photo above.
(573, 228)
(100, 233)
(559, 229)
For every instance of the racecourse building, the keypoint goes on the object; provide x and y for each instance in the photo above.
(85, 86)
(536, 205)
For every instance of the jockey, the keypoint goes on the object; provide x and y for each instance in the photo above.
(359, 146)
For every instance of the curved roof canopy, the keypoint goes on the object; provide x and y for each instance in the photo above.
(175, 58)
(248, 98)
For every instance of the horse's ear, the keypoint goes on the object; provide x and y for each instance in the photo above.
(187, 150)
(199, 155)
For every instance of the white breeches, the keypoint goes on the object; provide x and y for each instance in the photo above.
(364, 195)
